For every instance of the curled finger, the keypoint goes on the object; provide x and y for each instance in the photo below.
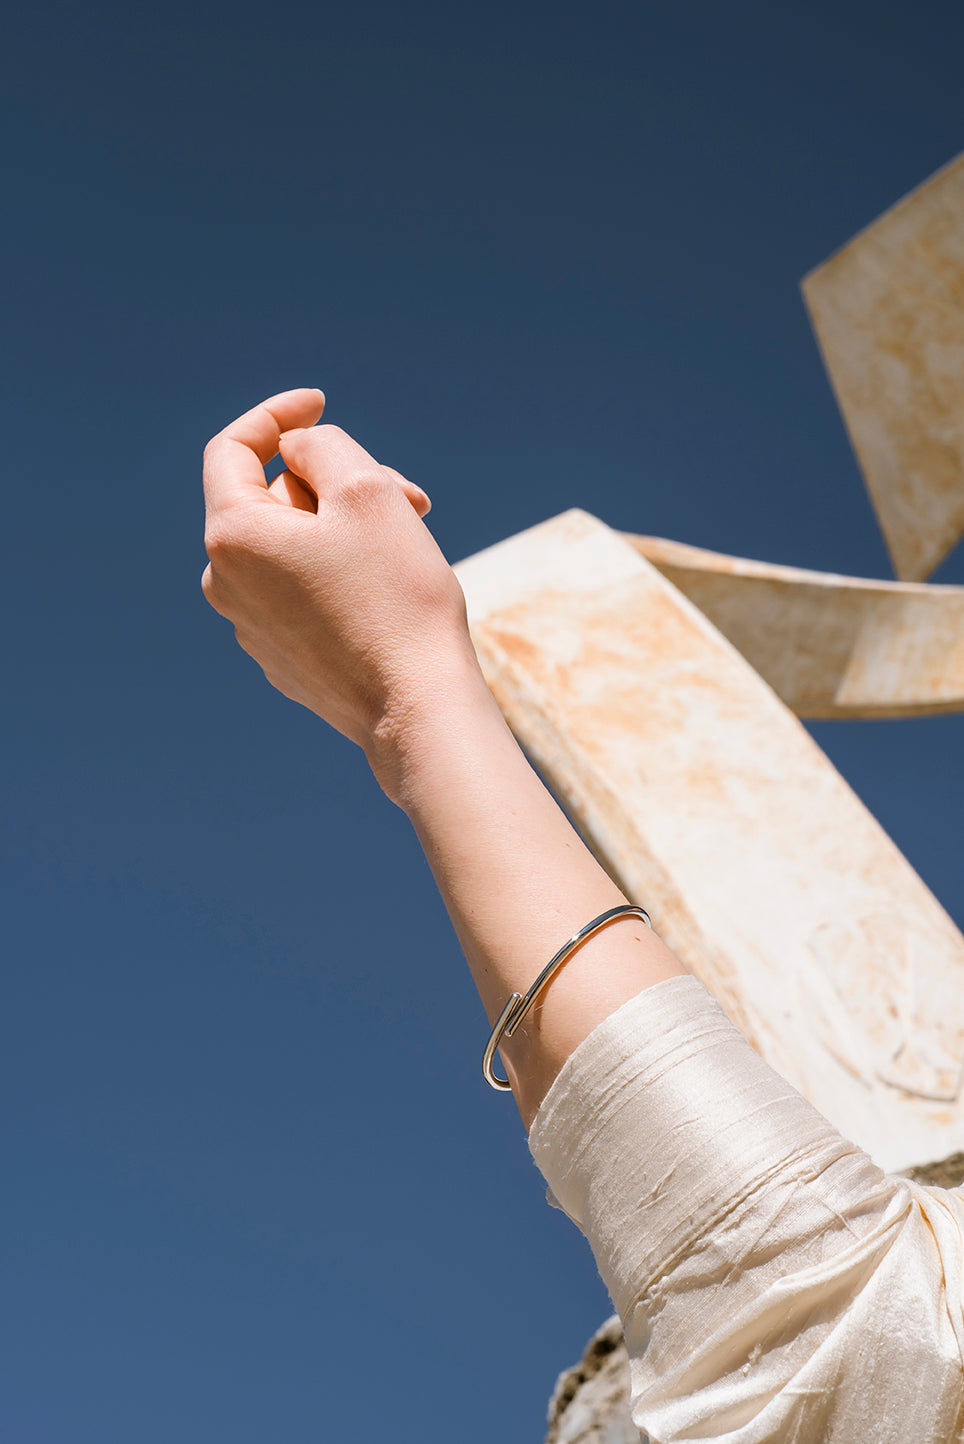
(420, 499)
(290, 490)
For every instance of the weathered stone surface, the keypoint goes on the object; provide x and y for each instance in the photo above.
(829, 646)
(590, 1403)
(710, 805)
(945, 1173)
(888, 311)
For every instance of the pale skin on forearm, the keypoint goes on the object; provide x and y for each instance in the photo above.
(518, 881)
(337, 589)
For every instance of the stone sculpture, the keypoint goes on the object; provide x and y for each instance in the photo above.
(658, 689)
(887, 312)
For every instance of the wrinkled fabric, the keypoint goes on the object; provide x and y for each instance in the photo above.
(773, 1283)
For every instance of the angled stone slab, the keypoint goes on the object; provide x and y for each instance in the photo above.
(888, 312)
(829, 646)
(709, 803)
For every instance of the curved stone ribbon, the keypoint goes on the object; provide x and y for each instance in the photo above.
(829, 646)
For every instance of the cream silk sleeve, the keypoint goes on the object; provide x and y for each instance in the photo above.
(773, 1283)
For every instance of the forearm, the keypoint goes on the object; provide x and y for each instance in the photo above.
(515, 876)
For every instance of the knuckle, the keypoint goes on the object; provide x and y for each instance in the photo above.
(214, 537)
(222, 538)
(330, 432)
(212, 593)
(363, 487)
(313, 440)
(211, 448)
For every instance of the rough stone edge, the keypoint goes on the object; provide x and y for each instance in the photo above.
(946, 1173)
(604, 1342)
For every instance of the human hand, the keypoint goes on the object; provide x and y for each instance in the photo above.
(334, 585)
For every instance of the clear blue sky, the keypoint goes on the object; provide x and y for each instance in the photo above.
(538, 256)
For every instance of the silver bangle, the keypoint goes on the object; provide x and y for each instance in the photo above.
(517, 1005)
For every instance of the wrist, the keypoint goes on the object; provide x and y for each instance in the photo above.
(446, 709)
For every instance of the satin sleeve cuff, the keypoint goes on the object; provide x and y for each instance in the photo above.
(660, 1123)
(773, 1283)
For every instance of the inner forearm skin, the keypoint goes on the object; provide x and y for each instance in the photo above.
(515, 876)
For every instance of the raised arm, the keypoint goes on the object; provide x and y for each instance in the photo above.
(337, 588)
(764, 1269)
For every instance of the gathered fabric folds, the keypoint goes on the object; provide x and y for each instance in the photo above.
(773, 1283)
